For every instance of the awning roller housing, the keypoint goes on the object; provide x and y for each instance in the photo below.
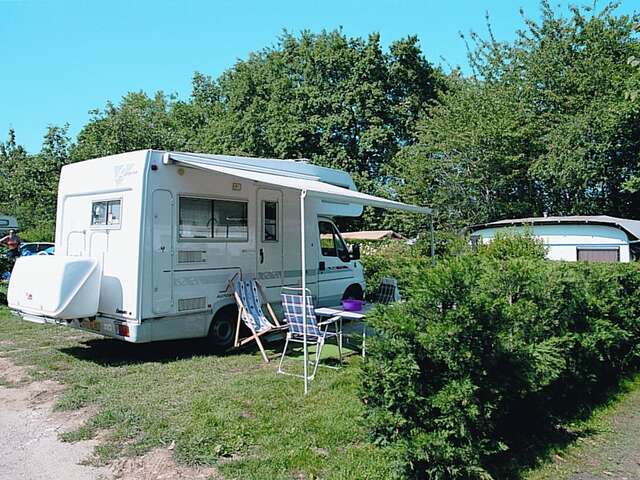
(312, 186)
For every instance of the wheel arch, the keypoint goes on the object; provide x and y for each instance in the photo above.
(354, 291)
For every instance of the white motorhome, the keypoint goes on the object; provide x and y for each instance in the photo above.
(147, 241)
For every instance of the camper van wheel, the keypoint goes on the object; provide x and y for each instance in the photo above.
(222, 328)
(353, 291)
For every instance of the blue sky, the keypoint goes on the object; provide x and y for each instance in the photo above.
(60, 59)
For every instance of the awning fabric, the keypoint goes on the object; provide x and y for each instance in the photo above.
(314, 188)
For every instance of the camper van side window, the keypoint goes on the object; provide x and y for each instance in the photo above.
(230, 220)
(105, 213)
(204, 218)
(99, 213)
(113, 212)
(195, 217)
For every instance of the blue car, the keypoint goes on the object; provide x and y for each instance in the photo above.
(32, 248)
(37, 248)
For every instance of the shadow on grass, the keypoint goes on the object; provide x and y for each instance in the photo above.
(109, 352)
(533, 444)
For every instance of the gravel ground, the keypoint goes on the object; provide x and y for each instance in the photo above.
(30, 431)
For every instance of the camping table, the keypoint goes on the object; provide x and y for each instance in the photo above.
(338, 311)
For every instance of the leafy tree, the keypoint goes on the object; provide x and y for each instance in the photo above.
(341, 102)
(471, 160)
(12, 157)
(30, 182)
(138, 122)
(544, 125)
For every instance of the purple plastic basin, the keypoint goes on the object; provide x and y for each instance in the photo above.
(351, 305)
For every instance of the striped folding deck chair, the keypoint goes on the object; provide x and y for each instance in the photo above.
(387, 292)
(248, 296)
(317, 332)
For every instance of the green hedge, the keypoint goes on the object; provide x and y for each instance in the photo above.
(492, 347)
(392, 258)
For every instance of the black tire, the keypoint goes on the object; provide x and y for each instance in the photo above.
(353, 291)
(223, 329)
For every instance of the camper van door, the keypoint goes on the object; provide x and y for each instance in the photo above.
(335, 270)
(162, 263)
(269, 241)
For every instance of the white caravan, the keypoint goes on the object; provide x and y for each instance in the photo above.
(147, 241)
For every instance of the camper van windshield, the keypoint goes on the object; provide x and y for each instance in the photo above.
(204, 218)
(331, 243)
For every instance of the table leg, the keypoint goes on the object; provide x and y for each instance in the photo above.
(340, 337)
(364, 339)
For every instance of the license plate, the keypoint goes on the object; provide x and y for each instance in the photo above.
(90, 325)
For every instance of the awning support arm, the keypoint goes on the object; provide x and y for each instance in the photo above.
(303, 264)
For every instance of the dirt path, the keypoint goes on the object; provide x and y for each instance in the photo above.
(30, 429)
(32, 450)
(612, 453)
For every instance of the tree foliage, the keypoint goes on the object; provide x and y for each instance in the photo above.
(29, 183)
(543, 125)
(548, 122)
(138, 122)
(338, 101)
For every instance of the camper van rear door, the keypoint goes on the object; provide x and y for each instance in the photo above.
(162, 244)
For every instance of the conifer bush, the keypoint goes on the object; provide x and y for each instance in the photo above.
(490, 347)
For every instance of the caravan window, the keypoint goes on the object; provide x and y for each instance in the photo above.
(106, 213)
(204, 218)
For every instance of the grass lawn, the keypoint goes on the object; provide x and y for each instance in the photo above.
(229, 410)
(234, 412)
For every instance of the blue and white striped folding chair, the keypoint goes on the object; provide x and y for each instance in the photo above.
(317, 332)
(247, 294)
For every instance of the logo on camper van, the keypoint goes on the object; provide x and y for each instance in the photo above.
(120, 172)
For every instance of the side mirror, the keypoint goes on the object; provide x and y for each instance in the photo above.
(355, 251)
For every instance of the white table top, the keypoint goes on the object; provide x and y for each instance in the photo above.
(338, 310)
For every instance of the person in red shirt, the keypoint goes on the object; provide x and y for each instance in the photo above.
(12, 242)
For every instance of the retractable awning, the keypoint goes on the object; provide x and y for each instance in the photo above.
(308, 186)
(308, 183)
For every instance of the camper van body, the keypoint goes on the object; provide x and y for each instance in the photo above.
(164, 240)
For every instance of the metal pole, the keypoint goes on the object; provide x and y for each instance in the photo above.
(303, 264)
(433, 245)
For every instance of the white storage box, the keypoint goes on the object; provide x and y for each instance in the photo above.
(55, 286)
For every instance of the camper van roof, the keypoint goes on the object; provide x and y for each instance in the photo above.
(287, 167)
(324, 183)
